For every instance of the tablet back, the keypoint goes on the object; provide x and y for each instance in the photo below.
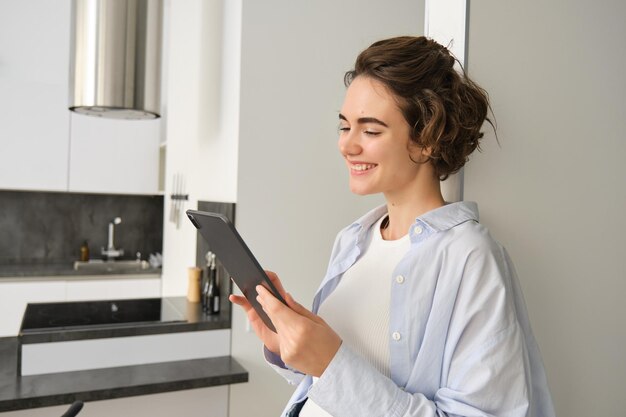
(237, 259)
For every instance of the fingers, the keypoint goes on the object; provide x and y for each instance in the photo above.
(276, 281)
(299, 308)
(239, 300)
(267, 300)
(273, 307)
(305, 341)
(268, 337)
(243, 302)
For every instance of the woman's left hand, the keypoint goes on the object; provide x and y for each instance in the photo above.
(307, 343)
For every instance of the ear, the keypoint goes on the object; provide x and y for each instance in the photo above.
(427, 152)
(419, 154)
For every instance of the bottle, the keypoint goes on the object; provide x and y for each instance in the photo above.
(213, 290)
(205, 290)
(204, 286)
(205, 281)
(84, 252)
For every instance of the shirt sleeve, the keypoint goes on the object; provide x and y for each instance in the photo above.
(342, 390)
(486, 363)
(292, 376)
(485, 366)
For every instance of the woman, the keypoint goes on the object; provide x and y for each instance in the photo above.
(420, 312)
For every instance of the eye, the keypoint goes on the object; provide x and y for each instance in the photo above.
(343, 129)
(371, 133)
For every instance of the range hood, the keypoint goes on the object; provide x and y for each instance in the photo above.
(115, 67)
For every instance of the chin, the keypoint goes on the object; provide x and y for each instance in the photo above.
(360, 190)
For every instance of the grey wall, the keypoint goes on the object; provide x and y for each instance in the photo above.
(555, 191)
(292, 195)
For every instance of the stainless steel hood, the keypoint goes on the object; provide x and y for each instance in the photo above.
(115, 68)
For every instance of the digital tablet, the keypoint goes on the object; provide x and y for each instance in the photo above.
(233, 253)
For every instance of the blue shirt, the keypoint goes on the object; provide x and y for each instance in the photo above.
(459, 336)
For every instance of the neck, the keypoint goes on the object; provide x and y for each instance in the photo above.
(404, 209)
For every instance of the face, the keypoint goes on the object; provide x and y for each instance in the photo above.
(374, 141)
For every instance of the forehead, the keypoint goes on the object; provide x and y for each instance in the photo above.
(369, 97)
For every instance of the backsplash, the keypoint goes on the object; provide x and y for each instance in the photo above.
(49, 227)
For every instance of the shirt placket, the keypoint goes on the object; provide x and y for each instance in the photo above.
(399, 325)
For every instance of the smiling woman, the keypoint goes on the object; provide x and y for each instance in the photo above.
(420, 312)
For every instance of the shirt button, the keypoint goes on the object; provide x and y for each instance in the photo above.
(396, 336)
(418, 230)
(399, 279)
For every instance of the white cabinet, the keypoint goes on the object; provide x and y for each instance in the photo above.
(15, 295)
(34, 120)
(114, 156)
(113, 289)
(44, 146)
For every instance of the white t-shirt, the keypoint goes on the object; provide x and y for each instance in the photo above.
(358, 310)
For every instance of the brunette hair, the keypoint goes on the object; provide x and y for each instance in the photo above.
(443, 107)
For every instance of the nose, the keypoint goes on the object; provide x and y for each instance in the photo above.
(349, 143)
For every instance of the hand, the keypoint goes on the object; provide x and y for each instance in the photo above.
(305, 341)
(268, 337)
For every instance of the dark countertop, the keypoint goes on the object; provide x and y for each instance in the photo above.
(64, 270)
(192, 319)
(22, 392)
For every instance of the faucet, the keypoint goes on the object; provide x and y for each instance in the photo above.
(111, 253)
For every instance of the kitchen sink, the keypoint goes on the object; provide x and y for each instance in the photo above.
(111, 266)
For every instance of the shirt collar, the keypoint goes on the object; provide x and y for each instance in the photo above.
(366, 221)
(439, 219)
(450, 215)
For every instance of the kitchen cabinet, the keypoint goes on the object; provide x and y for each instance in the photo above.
(34, 119)
(113, 289)
(114, 156)
(16, 293)
(44, 146)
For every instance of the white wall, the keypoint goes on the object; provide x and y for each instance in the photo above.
(555, 191)
(201, 109)
(292, 195)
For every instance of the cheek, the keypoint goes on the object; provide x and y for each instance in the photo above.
(404, 168)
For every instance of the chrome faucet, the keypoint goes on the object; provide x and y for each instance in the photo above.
(111, 253)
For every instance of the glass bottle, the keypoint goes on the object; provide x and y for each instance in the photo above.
(213, 290)
(84, 252)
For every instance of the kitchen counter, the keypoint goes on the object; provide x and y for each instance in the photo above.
(65, 271)
(191, 319)
(23, 392)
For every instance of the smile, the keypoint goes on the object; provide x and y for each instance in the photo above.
(362, 167)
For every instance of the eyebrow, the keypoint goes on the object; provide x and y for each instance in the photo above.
(364, 120)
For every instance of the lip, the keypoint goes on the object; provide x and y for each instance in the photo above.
(355, 172)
